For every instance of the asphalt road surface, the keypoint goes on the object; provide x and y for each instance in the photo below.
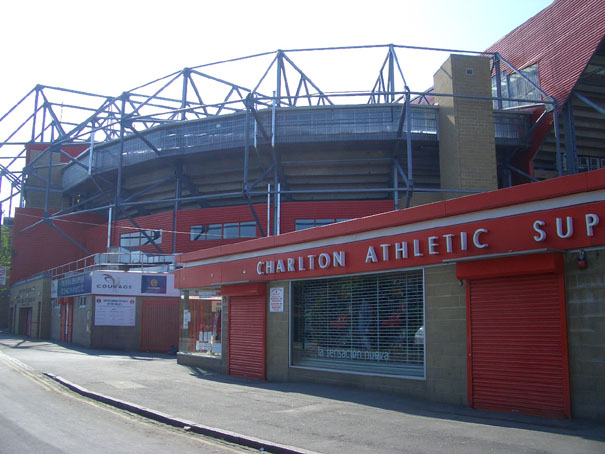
(314, 417)
(39, 416)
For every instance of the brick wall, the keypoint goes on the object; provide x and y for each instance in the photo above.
(278, 336)
(585, 292)
(467, 153)
(445, 331)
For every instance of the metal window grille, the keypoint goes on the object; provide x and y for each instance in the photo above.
(369, 324)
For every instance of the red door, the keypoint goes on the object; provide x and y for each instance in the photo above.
(159, 325)
(67, 318)
(517, 344)
(247, 336)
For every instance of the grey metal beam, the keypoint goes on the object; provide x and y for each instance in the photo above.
(67, 237)
(590, 103)
(571, 151)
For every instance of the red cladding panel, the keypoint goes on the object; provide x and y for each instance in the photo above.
(42, 247)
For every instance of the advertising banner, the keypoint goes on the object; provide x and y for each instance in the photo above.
(133, 284)
(75, 285)
(153, 284)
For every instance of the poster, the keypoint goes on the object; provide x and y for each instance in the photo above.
(276, 299)
(110, 311)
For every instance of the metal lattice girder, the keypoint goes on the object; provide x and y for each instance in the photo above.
(60, 117)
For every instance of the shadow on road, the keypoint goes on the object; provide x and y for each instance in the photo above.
(591, 430)
(587, 429)
(16, 342)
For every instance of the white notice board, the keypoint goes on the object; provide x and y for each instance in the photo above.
(276, 299)
(110, 311)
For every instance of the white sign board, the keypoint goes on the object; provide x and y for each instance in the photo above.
(276, 299)
(110, 311)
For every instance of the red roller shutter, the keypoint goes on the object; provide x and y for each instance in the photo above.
(247, 336)
(159, 325)
(518, 345)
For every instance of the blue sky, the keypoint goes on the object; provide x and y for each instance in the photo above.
(115, 45)
(111, 46)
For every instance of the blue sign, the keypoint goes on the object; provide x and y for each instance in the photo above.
(153, 284)
(75, 285)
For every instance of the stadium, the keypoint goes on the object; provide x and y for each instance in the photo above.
(176, 173)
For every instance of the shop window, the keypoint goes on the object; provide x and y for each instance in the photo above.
(204, 326)
(365, 324)
(222, 231)
(138, 238)
(82, 301)
(302, 224)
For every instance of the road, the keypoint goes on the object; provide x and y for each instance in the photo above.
(38, 415)
(313, 417)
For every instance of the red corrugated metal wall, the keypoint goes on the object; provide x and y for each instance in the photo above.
(220, 215)
(41, 247)
(52, 249)
(159, 325)
(247, 336)
(560, 39)
(518, 345)
(349, 209)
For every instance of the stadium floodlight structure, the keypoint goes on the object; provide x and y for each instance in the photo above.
(179, 118)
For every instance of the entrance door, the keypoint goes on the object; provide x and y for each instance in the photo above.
(247, 336)
(159, 325)
(25, 321)
(517, 343)
(67, 317)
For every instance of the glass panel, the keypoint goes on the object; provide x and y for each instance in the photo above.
(156, 235)
(230, 231)
(196, 232)
(203, 331)
(247, 230)
(214, 232)
(302, 224)
(320, 222)
(129, 239)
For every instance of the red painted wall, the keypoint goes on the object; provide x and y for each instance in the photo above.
(560, 39)
(71, 150)
(290, 212)
(42, 247)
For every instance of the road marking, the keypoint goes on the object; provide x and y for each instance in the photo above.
(28, 371)
(51, 385)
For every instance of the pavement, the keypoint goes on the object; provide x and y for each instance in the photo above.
(293, 417)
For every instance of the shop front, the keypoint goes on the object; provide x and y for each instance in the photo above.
(493, 301)
(117, 310)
